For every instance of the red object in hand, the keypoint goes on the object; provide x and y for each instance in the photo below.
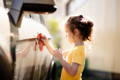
(40, 42)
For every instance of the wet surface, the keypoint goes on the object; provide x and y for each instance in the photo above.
(31, 64)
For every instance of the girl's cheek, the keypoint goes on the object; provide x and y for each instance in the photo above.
(70, 38)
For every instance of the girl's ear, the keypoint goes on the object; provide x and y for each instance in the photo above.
(76, 32)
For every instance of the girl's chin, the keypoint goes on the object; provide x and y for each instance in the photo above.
(70, 41)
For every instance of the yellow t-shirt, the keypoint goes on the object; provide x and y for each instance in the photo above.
(75, 55)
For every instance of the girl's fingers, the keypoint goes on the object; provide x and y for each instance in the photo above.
(57, 54)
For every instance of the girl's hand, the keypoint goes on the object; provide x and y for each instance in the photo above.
(45, 40)
(58, 54)
(41, 41)
(42, 38)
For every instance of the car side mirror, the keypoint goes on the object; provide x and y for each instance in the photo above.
(31, 6)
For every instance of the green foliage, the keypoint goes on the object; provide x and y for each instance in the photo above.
(54, 30)
(53, 26)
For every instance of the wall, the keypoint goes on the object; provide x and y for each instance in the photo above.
(1, 3)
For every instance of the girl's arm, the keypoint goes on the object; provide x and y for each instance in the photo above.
(50, 47)
(70, 68)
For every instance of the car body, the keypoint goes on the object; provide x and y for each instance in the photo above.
(18, 59)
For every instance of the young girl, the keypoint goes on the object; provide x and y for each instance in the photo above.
(78, 30)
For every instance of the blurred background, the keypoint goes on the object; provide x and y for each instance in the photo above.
(103, 52)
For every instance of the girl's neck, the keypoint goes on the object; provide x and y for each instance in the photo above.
(79, 43)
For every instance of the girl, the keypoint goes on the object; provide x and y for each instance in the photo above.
(78, 30)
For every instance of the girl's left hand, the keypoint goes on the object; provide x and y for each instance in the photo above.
(58, 54)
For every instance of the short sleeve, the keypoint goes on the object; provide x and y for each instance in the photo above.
(78, 57)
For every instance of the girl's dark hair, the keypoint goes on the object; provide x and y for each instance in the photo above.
(84, 26)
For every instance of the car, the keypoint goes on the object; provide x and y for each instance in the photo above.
(18, 58)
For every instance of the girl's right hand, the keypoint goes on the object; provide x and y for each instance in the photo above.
(41, 41)
(42, 38)
(45, 40)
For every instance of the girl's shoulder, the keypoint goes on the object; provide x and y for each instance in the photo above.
(77, 50)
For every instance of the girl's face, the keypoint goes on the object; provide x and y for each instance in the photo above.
(69, 34)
